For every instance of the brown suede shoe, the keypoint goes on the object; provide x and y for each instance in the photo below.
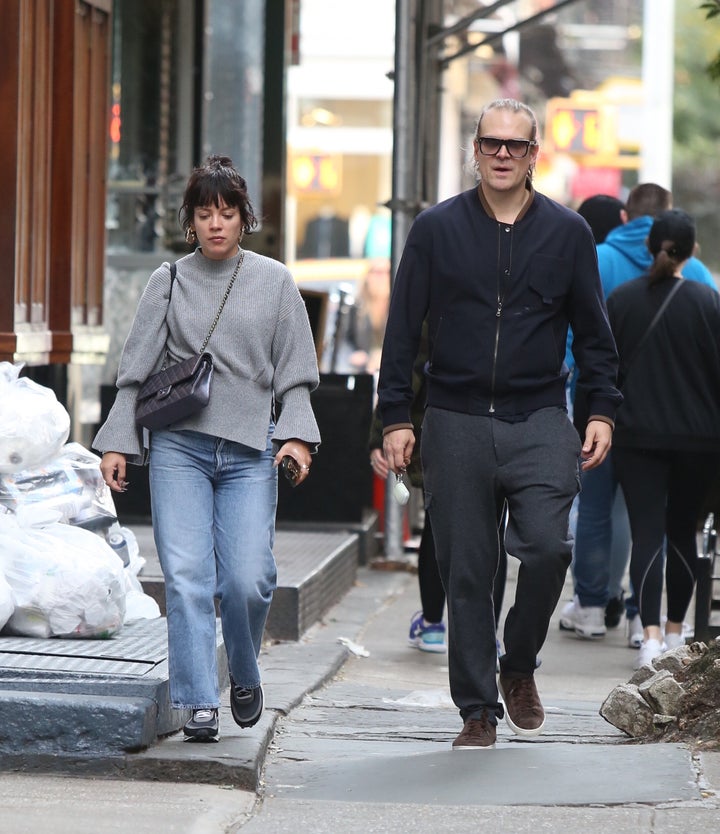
(523, 710)
(477, 734)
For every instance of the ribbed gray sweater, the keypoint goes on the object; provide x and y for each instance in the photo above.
(262, 348)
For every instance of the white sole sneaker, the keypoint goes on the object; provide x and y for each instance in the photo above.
(688, 632)
(587, 623)
(649, 651)
(590, 632)
(435, 648)
(674, 641)
(519, 731)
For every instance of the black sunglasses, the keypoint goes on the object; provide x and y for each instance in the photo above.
(516, 148)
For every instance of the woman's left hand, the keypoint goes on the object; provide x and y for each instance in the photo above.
(300, 452)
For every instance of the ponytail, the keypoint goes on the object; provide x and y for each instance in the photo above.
(663, 267)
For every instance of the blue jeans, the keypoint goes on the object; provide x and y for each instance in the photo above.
(602, 537)
(213, 505)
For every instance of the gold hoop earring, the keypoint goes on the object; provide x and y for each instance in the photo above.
(190, 236)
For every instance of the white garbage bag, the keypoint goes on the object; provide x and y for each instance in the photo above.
(7, 606)
(68, 488)
(33, 424)
(66, 581)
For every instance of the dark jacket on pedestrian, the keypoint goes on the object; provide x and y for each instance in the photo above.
(417, 412)
(499, 299)
(671, 385)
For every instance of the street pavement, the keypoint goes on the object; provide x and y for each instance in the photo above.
(357, 737)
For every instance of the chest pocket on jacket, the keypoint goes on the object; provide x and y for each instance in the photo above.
(550, 278)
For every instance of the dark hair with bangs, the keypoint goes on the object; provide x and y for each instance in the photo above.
(212, 182)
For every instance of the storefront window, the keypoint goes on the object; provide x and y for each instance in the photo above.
(151, 98)
(187, 81)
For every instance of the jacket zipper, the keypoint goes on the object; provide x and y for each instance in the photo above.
(498, 311)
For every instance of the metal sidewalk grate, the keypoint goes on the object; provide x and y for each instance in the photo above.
(136, 650)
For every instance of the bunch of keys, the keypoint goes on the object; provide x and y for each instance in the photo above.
(400, 491)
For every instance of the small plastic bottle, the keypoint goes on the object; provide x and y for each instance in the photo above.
(118, 543)
(400, 491)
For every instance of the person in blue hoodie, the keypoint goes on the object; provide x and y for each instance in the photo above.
(598, 567)
(624, 254)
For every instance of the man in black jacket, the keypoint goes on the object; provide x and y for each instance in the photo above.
(500, 271)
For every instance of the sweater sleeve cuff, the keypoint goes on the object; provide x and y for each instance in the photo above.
(396, 427)
(602, 419)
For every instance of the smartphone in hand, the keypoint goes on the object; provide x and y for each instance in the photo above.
(290, 469)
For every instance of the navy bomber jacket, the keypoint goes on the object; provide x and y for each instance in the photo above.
(499, 298)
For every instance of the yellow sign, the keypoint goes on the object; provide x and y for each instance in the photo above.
(316, 174)
(585, 127)
(578, 130)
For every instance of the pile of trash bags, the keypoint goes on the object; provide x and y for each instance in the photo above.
(67, 567)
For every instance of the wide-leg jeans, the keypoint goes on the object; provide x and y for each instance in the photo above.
(213, 506)
(471, 464)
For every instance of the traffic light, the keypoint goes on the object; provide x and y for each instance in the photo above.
(582, 128)
(575, 130)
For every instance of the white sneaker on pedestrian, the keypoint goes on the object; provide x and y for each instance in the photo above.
(635, 632)
(587, 621)
(674, 641)
(648, 651)
(688, 632)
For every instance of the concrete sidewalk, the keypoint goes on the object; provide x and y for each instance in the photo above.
(374, 744)
(367, 739)
(290, 669)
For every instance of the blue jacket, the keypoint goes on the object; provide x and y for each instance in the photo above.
(624, 256)
(498, 298)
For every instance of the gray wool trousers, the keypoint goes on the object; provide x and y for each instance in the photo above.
(471, 464)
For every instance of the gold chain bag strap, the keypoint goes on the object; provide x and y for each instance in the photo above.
(182, 389)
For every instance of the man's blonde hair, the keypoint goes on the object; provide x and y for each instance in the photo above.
(515, 107)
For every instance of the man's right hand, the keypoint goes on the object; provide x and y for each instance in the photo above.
(398, 447)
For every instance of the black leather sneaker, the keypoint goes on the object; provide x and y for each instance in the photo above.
(246, 705)
(203, 726)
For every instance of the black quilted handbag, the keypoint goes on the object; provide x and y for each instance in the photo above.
(175, 393)
(183, 389)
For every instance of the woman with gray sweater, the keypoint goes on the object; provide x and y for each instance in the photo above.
(213, 475)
